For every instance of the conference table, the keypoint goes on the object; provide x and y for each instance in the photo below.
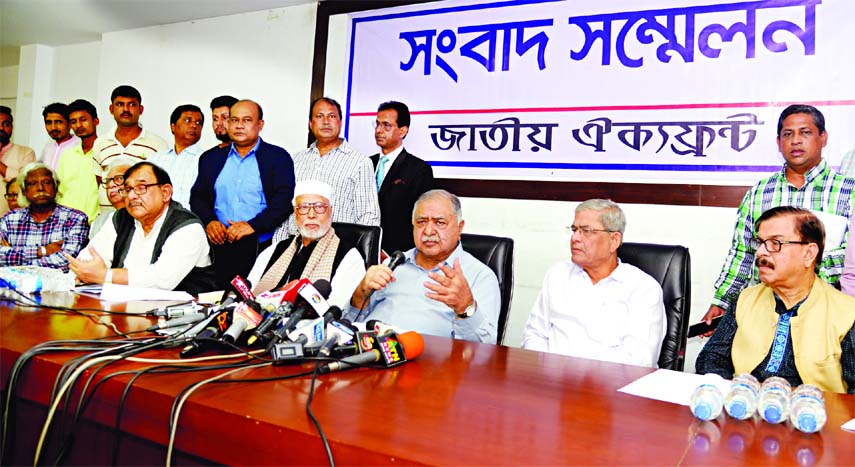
(459, 403)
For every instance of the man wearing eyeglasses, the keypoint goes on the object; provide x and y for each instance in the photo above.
(79, 187)
(153, 242)
(794, 324)
(806, 180)
(13, 156)
(316, 252)
(595, 306)
(112, 184)
(42, 232)
(12, 190)
(401, 176)
(181, 160)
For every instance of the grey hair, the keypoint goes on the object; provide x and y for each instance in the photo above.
(453, 199)
(22, 178)
(611, 215)
(115, 164)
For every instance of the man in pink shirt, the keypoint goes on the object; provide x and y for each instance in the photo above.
(847, 279)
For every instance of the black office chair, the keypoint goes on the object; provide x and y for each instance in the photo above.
(498, 254)
(670, 265)
(365, 237)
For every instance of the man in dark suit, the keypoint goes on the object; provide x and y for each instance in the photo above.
(401, 176)
(243, 193)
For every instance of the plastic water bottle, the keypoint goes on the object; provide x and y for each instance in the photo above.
(706, 402)
(807, 412)
(774, 403)
(741, 400)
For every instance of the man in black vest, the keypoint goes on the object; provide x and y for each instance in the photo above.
(315, 253)
(153, 242)
(401, 176)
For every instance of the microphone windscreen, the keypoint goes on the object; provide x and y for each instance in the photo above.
(413, 344)
(398, 259)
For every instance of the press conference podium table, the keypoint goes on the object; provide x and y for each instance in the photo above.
(460, 403)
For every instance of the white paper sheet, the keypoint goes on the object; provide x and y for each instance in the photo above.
(671, 386)
(849, 426)
(124, 293)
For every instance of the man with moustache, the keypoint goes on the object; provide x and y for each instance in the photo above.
(113, 184)
(332, 160)
(242, 193)
(794, 324)
(182, 160)
(315, 253)
(807, 181)
(440, 289)
(220, 107)
(401, 176)
(595, 306)
(129, 143)
(13, 157)
(153, 242)
(56, 124)
(79, 188)
(41, 232)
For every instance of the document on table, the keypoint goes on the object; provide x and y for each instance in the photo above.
(671, 386)
(849, 426)
(124, 293)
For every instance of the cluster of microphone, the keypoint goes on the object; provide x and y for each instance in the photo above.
(290, 324)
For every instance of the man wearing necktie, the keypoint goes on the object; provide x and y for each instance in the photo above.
(401, 177)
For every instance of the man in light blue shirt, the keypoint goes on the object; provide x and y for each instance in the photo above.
(440, 289)
(181, 161)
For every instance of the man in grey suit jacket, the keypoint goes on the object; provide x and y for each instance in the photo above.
(401, 176)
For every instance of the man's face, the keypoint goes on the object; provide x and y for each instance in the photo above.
(126, 111)
(148, 206)
(326, 122)
(82, 123)
(220, 123)
(244, 125)
(5, 129)
(115, 180)
(56, 126)
(792, 261)
(313, 225)
(12, 196)
(40, 188)
(593, 249)
(387, 134)
(436, 230)
(801, 143)
(188, 129)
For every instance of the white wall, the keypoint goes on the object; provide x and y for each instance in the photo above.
(8, 86)
(265, 56)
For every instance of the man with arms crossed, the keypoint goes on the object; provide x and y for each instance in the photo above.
(595, 306)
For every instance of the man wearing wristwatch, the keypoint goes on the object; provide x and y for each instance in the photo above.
(439, 289)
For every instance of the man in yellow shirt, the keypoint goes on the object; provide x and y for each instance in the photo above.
(79, 187)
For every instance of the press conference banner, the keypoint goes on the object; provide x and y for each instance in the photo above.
(674, 91)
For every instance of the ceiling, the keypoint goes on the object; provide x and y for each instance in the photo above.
(62, 22)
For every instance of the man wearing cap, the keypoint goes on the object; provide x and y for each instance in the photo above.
(316, 252)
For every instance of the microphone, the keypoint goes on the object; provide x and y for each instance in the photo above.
(186, 319)
(242, 286)
(382, 328)
(286, 297)
(338, 332)
(245, 317)
(214, 326)
(395, 260)
(390, 350)
(312, 299)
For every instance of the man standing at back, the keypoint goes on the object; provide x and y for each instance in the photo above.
(56, 125)
(332, 160)
(182, 160)
(806, 181)
(79, 188)
(401, 176)
(242, 193)
(13, 157)
(220, 107)
(130, 142)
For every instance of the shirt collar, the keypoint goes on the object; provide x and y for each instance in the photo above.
(341, 147)
(392, 155)
(233, 151)
(192, 149)
(819, 170)
(112, 135)
(619, 274)
(781, 308)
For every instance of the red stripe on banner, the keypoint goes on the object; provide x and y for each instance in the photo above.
(725, 105)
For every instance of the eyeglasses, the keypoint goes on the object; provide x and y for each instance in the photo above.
(318, 207)
(385, 125)
(11, 196)
(139, 189)
(116, 180)
(773, 245)
(584, 230)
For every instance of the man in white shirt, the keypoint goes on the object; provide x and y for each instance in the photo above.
(594, 306)
(181, 161)
(153, 242)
